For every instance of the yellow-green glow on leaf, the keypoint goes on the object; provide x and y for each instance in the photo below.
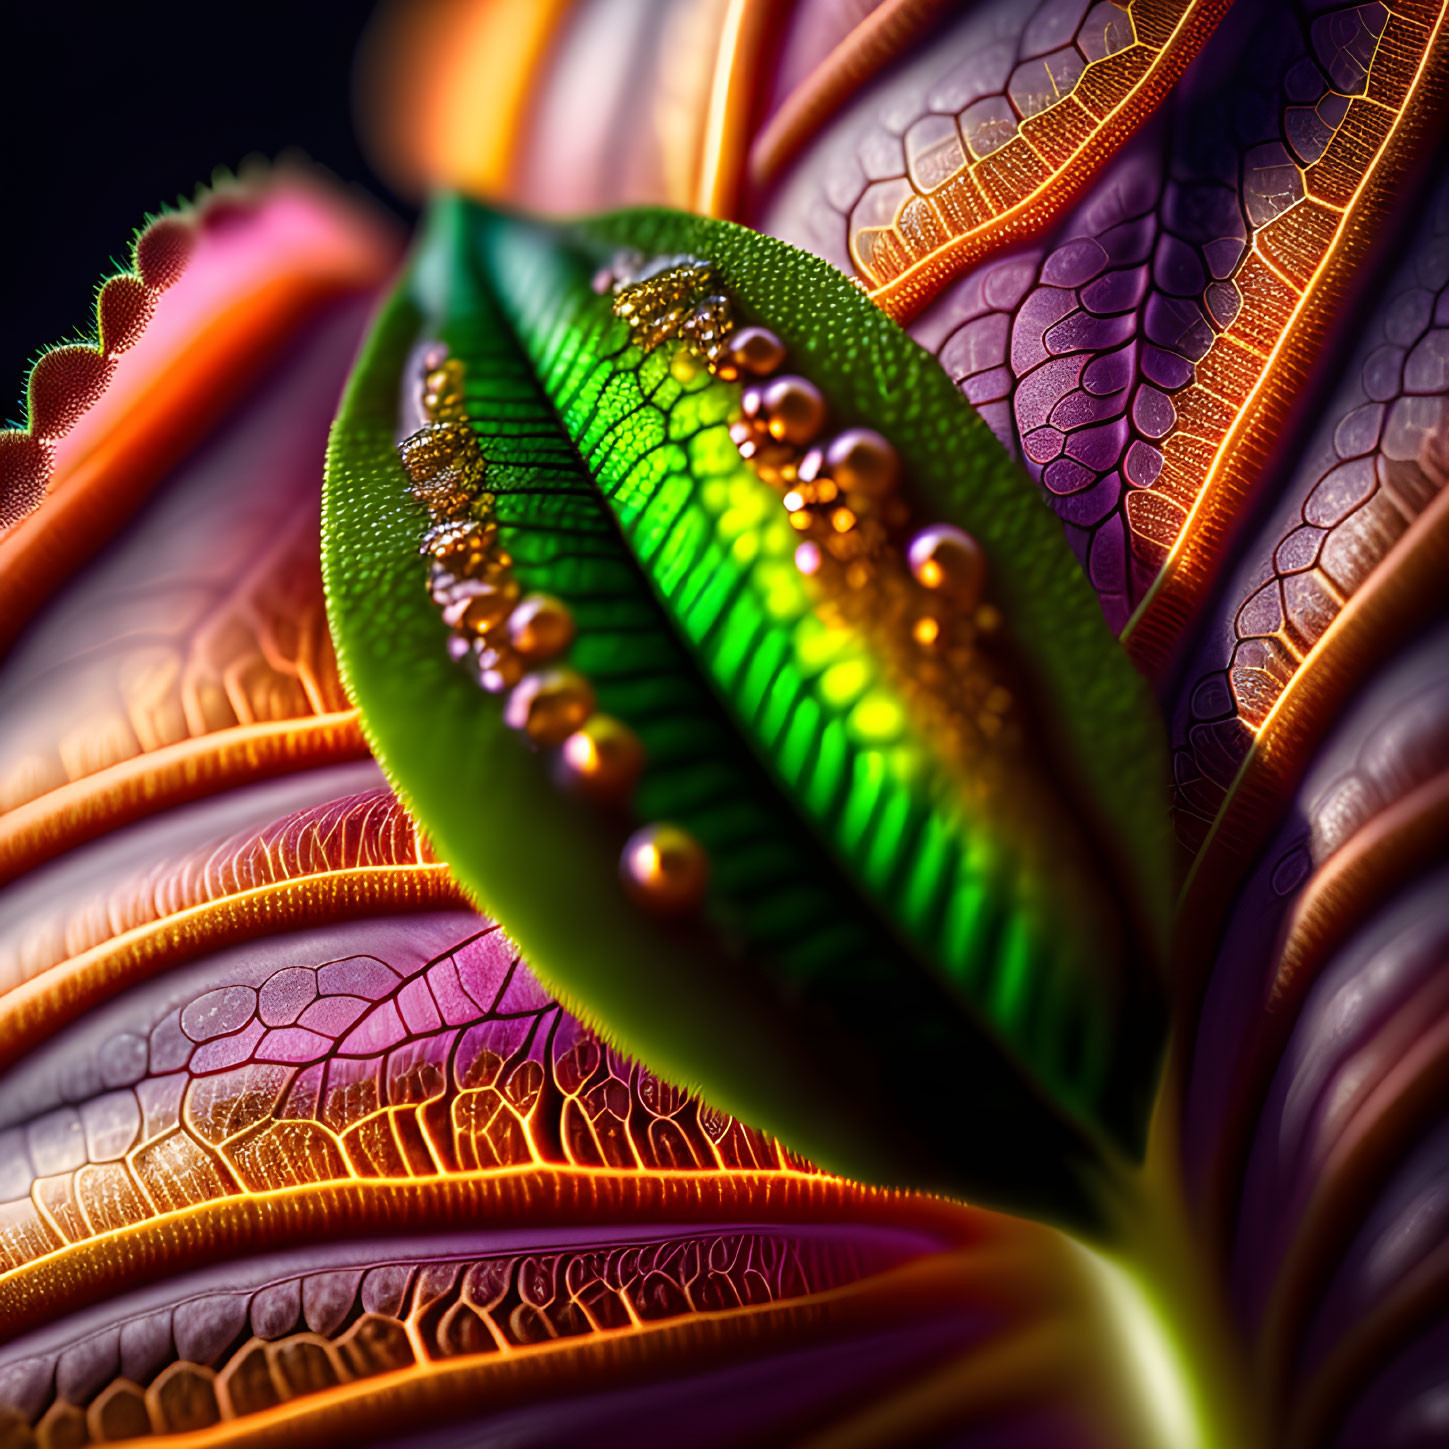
(842, 684)
(877, 719)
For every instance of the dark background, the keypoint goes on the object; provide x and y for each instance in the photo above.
(108, 111)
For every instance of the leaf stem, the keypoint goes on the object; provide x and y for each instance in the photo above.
(1181, 1355)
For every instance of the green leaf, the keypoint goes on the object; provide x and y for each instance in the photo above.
(913, 971)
